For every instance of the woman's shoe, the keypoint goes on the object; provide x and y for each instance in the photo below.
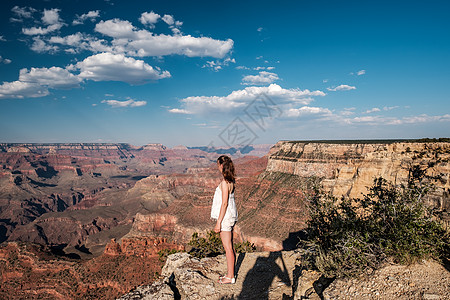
(222, 278)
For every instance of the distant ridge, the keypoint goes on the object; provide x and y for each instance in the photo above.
(375, 141)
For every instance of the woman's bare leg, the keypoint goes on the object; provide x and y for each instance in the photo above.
(227, 241)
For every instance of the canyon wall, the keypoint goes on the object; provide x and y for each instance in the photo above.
(348, 169)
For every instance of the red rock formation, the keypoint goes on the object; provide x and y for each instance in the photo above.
(140, 246)
(31, 272)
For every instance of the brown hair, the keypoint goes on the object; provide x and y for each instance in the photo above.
(227, 168)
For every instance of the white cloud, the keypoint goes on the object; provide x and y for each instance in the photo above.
(40, 46)
(35, 83)
(168, 19)
(54, 77)
(259, 29)
(347, 113)
(262, 78)
(129, 40)
(116, 28)
(179, 111)
(118, 67)
(379, 120)
(270, 68)
(69, 40)
(2, 38)
(23, 12)
(307, 111)
(217, 65)
(149, 18)
(51, 16)
(91, 15)
(361, 72)
(386, 108)
(127, 103)
(19, 90)
(4, 60)
(242, 68)
(375, 109)
(241, 98)
(41, 30)
(77, 42)
(342, 87)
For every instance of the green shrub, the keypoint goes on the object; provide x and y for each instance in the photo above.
(166, 252)
(212, 245)
(243, 247)
(348, 236)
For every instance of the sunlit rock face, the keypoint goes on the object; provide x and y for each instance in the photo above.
(348, 169)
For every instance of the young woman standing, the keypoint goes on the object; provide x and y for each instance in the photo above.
(224, 211)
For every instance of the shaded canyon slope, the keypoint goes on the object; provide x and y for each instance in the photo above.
(77, 195)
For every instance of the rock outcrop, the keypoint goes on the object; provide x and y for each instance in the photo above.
(348, 169)
(279, 275)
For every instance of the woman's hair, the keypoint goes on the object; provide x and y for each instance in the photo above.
(227, 168)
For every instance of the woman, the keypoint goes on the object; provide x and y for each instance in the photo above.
(224, 211)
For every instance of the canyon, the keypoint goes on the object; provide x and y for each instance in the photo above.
(87, 203)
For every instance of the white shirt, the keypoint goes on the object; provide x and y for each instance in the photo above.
(231, 213)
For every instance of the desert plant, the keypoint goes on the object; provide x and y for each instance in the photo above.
(348, 236)
(166, 252)
(212, 245)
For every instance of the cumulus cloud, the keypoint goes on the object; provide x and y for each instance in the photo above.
(35, 82)
(179, 111)
(149, 18)
(375, 109)
(307, 111)
(91, 15)
(262, 78)
(78, 41)
(41, 30)
(118, 67)
(242, 68)
(22, 13)
(127, 103)
(241, 98)
(342, 87)
(54, 77)
(168, 19)
(131, 41)
(19, 90)
(218, 64)
(39, 45)
(116, 28)
(50, 18)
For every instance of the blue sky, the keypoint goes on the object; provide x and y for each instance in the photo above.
(181, 72)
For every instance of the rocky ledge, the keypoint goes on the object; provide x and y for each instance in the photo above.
(278, 275)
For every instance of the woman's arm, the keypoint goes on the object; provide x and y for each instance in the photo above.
(223, 207)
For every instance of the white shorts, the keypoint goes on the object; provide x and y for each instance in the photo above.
(227, 225)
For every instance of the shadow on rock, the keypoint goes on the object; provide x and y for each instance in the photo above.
(259, 279)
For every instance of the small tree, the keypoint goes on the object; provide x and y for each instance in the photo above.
(347, 236)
